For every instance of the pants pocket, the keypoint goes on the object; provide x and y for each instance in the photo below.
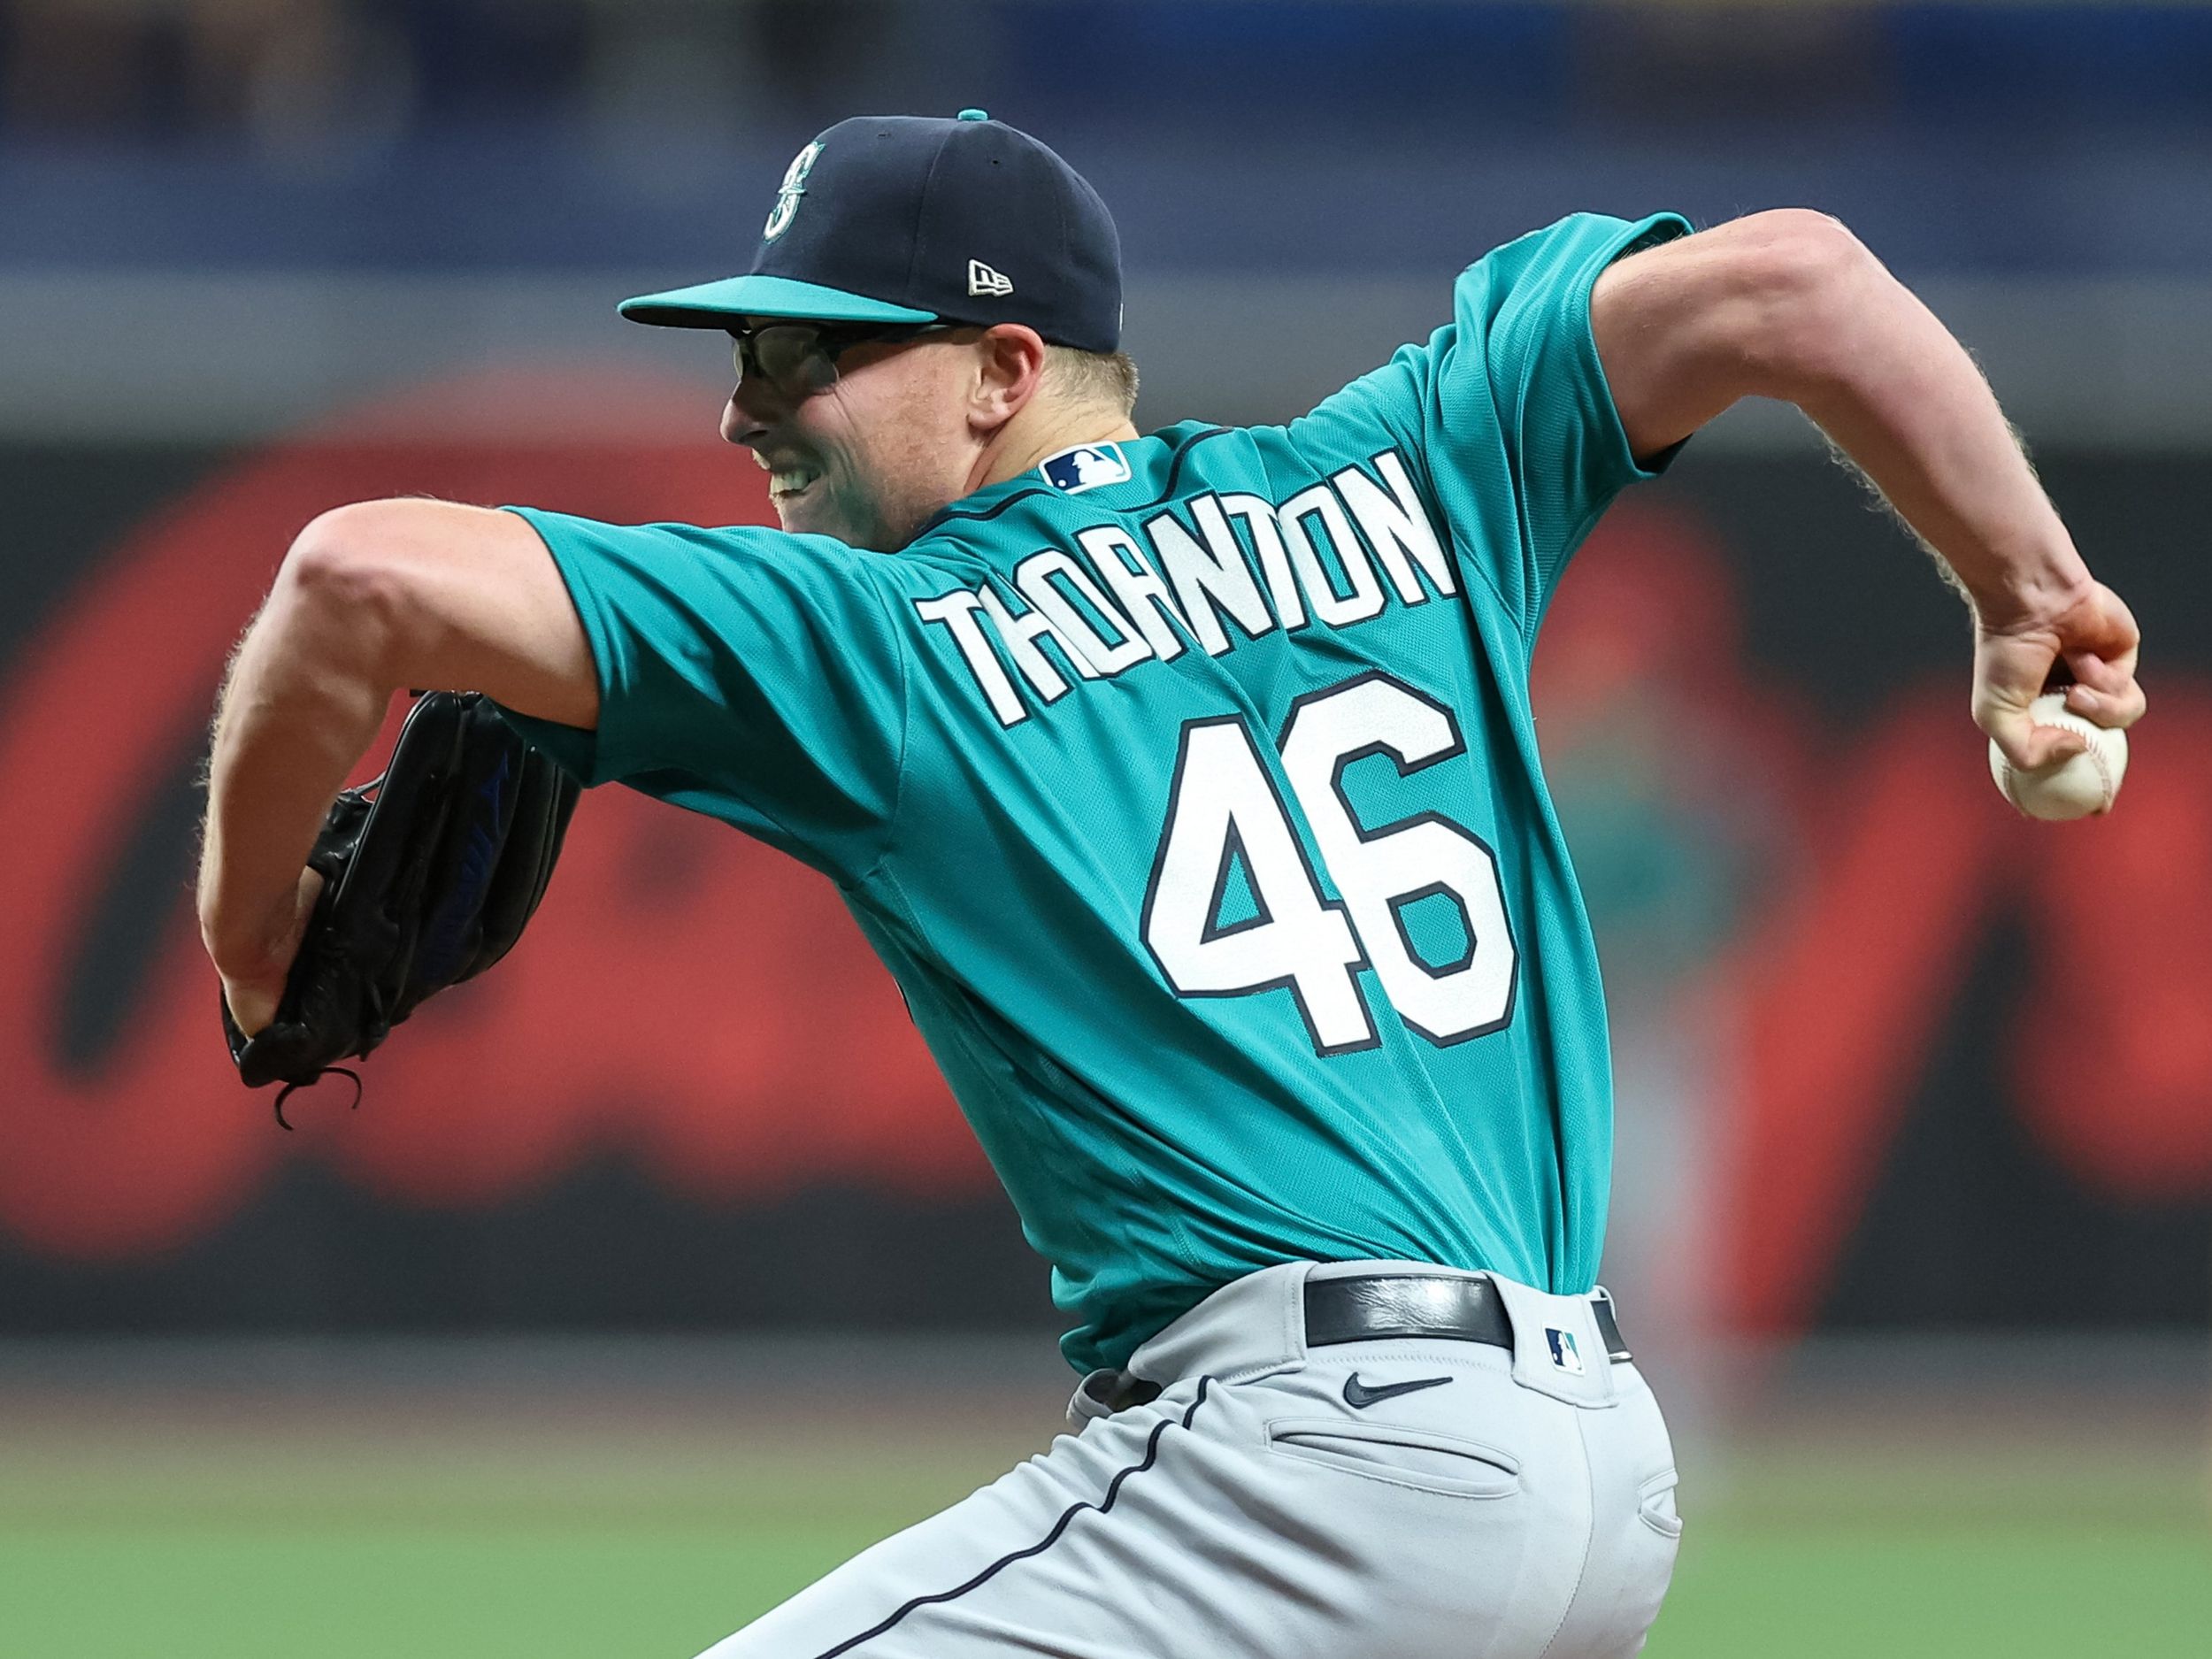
(1418, 1458)
(1655, 1504)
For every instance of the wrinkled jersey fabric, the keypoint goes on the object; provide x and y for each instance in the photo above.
(1189, 786)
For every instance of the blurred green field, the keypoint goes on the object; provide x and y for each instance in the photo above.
(652, 1526)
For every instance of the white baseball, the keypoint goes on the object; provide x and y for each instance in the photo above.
(2077, 786)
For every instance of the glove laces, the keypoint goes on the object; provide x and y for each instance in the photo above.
(284, 1093)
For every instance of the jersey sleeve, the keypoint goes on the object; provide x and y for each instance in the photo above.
(744, 672)
(1504, 412)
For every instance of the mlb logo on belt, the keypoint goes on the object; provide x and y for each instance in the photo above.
(1086, 466)
(1564, 1354)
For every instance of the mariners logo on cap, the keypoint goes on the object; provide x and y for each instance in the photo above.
(1086, 466)
(788, 195)
(1564, 1354)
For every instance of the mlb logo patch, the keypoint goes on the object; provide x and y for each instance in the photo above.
(1086, 466)
(1564, 1354)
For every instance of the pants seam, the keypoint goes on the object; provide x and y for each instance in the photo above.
(1589, 1536)
(1059, 1527)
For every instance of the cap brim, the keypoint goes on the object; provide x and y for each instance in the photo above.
(714, 305)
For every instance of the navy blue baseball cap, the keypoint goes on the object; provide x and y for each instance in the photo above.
(903, 218)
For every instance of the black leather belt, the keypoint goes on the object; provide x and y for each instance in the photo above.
(1379, 1306)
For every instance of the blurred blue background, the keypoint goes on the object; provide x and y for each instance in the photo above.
(183, 180)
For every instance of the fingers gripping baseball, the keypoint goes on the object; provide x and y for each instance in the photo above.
(2093, 641)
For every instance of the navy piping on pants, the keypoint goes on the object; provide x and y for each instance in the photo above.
(1113, 1491)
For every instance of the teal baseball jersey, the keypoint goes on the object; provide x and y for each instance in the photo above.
(1189, 788)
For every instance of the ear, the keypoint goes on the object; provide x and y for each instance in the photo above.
(1010, 370)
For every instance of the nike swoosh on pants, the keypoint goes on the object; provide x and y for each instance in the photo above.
(1359, 1396)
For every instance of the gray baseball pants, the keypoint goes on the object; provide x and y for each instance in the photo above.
(1513, 1506)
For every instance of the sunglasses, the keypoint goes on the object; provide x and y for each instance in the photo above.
(800, 359)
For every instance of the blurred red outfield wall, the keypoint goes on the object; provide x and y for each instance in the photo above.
(1912, 961)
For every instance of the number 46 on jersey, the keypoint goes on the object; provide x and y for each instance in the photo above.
(1224, 805)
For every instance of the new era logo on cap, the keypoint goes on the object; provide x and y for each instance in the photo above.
(1086, 466)
(1564, 1354)
(983, 280)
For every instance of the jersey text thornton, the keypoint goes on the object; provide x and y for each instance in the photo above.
(1208, 571)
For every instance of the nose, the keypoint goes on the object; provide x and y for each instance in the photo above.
(738, 425)
(754, 407)
(755, 404)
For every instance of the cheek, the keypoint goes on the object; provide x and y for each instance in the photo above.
(895, 441)
(934, 421)
(901, 434)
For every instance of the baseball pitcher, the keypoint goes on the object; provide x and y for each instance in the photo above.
(1188, 785)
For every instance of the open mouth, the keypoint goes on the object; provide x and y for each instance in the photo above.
(790, 480)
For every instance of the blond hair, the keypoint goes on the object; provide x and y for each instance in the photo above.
(1108, 378)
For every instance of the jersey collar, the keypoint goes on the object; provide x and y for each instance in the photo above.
(1126, 475)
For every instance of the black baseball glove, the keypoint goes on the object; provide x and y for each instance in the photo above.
(429, 874)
